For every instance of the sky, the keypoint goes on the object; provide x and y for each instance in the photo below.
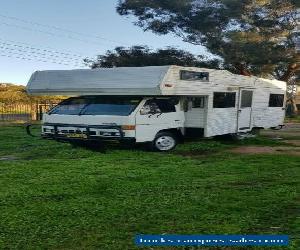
(57, 34)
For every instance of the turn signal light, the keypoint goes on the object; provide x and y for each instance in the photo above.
(128, 127)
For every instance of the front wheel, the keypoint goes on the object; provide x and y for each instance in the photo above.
(164, 141)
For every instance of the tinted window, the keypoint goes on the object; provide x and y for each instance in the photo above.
(224, 99)
(97, 106)
(165, 106)
(197, 102)
(276, 100)
(246, 99)
(194, 76)
(108, 109)
(71, 106)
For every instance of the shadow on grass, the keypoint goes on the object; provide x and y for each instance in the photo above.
(105, 146)
(194, 146)
(219, 144)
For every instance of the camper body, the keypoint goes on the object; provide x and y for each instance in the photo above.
(159, 104)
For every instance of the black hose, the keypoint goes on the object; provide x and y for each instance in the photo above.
(28, 130)
(278, 127)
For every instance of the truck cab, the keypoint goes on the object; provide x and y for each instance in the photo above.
(158, 121)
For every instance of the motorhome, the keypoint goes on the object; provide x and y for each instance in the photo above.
(158, 105)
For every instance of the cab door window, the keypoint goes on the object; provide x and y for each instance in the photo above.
(156, 106)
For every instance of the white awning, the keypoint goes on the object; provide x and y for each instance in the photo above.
(104, 81)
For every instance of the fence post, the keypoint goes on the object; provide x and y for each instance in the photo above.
(40, 112)
(2, 111)
(32, 111)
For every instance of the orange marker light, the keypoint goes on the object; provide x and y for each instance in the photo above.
(128, 127)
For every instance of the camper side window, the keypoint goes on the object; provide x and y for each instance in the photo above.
(198, 102)
(224, 99)
(276, 100)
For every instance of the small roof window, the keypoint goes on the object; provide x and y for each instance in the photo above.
(194, 76)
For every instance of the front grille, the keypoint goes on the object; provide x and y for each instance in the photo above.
(93, 131)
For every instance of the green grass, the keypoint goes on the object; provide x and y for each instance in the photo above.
(55, 196)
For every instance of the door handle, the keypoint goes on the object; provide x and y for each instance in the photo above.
(240, 110)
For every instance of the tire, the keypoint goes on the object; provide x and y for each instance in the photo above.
(256, 131)
(164, 141)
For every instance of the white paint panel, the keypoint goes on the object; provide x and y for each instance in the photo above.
(195, 118)
(221, 121)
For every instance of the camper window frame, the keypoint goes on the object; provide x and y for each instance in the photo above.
(204, 75)
(227, 103)
(275, 101)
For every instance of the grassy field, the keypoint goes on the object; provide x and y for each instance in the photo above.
(55, 196)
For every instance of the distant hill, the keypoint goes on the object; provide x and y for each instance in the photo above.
(10, 86)
(13, 93)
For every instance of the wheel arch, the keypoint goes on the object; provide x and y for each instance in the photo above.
(176, 131)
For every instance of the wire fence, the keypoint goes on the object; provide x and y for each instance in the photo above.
(24, 112)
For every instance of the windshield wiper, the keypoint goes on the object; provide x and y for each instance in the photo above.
(84, 108)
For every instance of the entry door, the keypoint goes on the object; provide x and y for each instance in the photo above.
(245, 110)
(195, 112)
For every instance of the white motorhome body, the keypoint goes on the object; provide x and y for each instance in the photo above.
(215, 101)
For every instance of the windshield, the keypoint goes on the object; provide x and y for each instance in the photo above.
(97, 105)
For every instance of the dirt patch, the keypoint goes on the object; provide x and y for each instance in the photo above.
(289, 131)
(194, 153)
(289, 134)
(293, 142)
(266, 150)
(288, 125)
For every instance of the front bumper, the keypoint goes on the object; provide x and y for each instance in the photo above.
(83, 132)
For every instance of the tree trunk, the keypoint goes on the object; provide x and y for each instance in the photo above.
(290, 72)
(286, 78)
(242, 69)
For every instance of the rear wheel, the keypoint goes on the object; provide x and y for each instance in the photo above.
(164, 141)
(256, 131)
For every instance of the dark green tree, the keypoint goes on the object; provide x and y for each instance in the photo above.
(251, 36)
(136, 56)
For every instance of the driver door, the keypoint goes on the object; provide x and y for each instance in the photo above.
(155, 115)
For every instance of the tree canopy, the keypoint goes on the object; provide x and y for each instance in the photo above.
(136, 56)
(252, 37)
